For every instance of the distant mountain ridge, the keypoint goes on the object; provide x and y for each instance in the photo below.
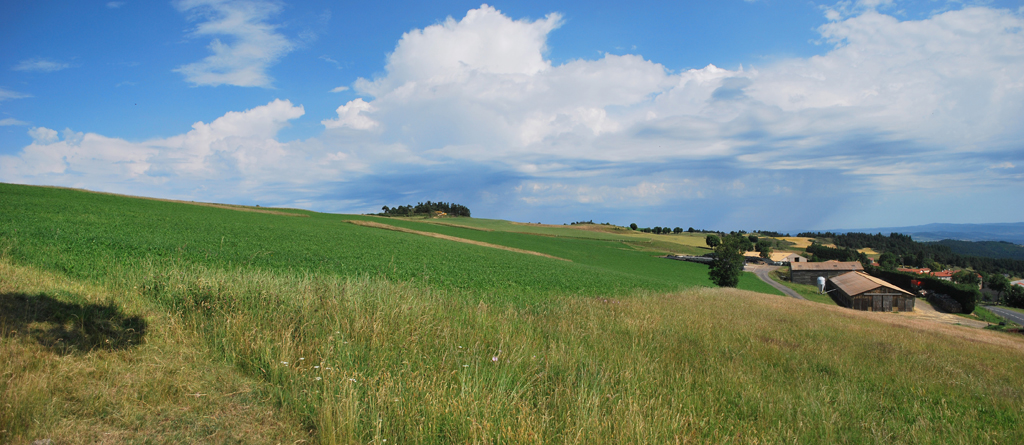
(1010, 232)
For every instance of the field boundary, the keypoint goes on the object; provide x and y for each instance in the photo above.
(204, 204)
(441, 223)
(450, 238)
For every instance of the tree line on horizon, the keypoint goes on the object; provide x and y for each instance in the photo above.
(427, 208)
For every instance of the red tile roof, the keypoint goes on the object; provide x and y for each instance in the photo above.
(920, 271)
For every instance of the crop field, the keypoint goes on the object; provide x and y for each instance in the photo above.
(693, 243)
(804, 242)
(681, 243)
(87, 235)
(568, 231)
(139, 321)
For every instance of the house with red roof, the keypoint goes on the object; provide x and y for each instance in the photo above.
(922, 271)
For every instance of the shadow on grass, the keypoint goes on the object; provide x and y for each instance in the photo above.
(68, 328)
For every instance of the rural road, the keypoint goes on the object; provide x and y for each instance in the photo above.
(1015, 317)
(762, 273)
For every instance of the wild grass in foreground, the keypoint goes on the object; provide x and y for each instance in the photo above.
(82, 364)
(363, 360)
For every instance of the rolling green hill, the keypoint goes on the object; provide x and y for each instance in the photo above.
(86, 235)
(128, 320)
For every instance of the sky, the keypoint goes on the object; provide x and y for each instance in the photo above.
(727, 115)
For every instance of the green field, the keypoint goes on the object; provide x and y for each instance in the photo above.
(139, 321)
(688, 243)
(87, 235)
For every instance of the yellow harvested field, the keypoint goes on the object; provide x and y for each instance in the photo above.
(801, 242)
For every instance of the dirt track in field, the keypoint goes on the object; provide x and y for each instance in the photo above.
(451, 238)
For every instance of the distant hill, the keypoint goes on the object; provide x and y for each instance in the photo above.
(987, 249)
(1011, 232)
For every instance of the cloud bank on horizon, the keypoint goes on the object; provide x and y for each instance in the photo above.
(899, 122)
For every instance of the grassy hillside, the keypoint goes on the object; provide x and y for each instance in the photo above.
(688, 243)
(137, 321)
(87, 235)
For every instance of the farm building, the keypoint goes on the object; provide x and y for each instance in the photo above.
(921, 271)
(788, 257)
(808, 273)
(864, 292)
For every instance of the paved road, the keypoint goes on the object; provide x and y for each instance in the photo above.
(762, 273)
(1015, 317)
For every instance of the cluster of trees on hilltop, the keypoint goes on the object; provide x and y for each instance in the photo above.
(667, 230)
(659, 230)
(913, 253)
(427, 208)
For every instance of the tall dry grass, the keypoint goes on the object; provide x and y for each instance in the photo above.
(368, 360)
(59, 380)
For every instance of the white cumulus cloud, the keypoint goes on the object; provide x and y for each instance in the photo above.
(350, 115)
(235, 155)
(480, 88)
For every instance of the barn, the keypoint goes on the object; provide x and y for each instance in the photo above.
(788, 257)
(808, 273)
(864, 292)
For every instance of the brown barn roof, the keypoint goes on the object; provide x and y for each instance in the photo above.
(855, 283)
(828, 265)
(781, 256)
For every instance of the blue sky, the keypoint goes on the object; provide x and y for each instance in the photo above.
(728, 114)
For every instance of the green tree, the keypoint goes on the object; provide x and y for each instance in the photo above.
(1015, 296)
(632, 226)
(864, 259)
(712, 241)
(966, 277)
(753, 239)
(744, 243)
(765, 247)
(691, 230)
(677, 230)
(888, 261)
(998, 283)
(656, 229)
(725, 269)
